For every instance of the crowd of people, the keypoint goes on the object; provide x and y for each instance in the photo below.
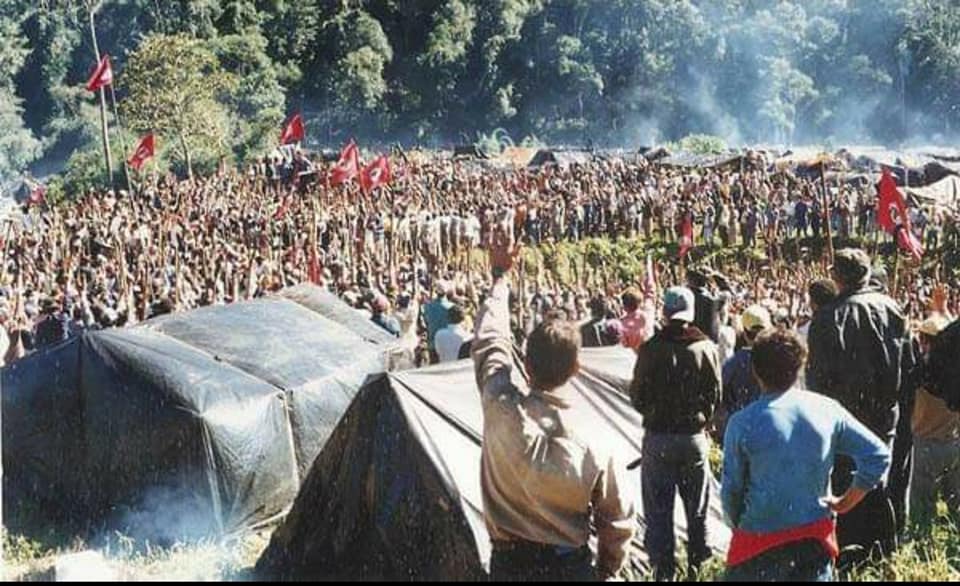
(115, 258)
(716, 357)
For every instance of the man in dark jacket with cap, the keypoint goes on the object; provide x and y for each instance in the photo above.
(856, 357)
(676, 387)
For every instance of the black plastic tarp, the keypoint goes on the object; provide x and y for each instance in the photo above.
(395, 493)
(188, 425)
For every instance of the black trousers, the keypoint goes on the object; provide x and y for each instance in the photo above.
(529, 562)
(870, 529)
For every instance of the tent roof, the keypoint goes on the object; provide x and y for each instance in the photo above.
(225, 407)
(396, 491)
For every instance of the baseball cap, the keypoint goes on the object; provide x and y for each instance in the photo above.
(678, 303)
(755, 317)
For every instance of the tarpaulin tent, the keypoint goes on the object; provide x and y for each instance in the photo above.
(187, 425)
(396, 491)
(944, 194)
(729, 161)
(559, 158)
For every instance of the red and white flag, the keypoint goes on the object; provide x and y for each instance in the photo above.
(38, 195)
(376, 174)
(102, 75)
(893, 217)
(348, 166)
(293, 130)
(686, 234)
(144, 151)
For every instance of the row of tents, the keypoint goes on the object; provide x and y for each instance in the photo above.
(222, 419)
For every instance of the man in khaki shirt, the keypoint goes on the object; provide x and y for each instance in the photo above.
(542, 479)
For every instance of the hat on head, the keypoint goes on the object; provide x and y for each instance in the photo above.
(933, 325)
(678, 304)
(755, 317)
(852, 265)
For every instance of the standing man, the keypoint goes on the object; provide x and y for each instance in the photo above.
(857, 347)
(676, 387)
(544, 483)
(436, 314)
(936, 433)
(777, 457)
(450, 340)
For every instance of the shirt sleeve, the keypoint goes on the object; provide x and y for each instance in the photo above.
(871, 455)
(638, 387)
(614, 516)
(734, 479)
(492, 349)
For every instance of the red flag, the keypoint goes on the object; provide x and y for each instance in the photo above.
(38, 195)
(102, 75)
(348, 166)
(893, 217)
(144, 151)
(282, 210)
(293, 131)
(376, 174)
(313, 270)
(686, 235)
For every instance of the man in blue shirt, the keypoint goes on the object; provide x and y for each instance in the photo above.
(778, 455)
(436, 315)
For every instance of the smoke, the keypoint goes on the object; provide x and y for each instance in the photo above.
(165, 516)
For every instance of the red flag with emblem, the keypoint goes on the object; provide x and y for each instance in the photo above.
(293, 131)
(38, 195)
(893, 217)
(348, 166)
(376, 174)
(686, 235)
(102, 75)
(144, 151)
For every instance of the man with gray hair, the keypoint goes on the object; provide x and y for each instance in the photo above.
(857, 348)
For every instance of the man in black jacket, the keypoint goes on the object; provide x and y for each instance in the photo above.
(676, 387)
(857, 350)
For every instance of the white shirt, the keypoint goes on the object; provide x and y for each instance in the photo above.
(448, 342)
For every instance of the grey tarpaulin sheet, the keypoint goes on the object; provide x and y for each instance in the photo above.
(187, 425)
(396, 491)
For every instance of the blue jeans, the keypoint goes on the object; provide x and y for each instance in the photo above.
(674, 463)
(536, 563)
(804, 561)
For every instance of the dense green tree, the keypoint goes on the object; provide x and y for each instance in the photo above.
(174, 86)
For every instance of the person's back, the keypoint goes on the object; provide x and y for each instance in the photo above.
(797, 431)
(778, 460)
(676, 387)
(856, 349)
(543, 483)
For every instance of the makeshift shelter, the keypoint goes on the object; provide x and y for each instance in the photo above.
(516, 157)
(396, 491)
(188, 425)
(944, 194)
(562, 159)
(729, 161)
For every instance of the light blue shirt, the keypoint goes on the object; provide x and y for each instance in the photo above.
(778, 456)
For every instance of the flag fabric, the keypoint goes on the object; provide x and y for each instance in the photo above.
(313, 270)
(144, 151)
(686, 235)
(102, 75)
(293, 130)
(376, 174)
(38, 195)
(650, 278)
(282, 210)
(348, 166)
(893, 217)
